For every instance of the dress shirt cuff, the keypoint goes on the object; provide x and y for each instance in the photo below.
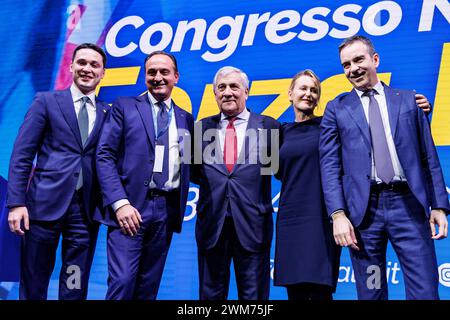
(15, 205)
(119, 204)
(442, 209)
(336, 212)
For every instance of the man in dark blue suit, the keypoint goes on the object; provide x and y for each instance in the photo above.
(234, 212)
(382, 179)
(143, 162)
(61, 128)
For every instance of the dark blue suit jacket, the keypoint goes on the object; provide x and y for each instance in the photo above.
(345, 150)
(9, 242)
(50, 131)
(246, 191)
(125, 157)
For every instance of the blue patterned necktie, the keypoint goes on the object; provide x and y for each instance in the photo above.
(83, 125)
(162, 138)
(382, 157)
(162, 117)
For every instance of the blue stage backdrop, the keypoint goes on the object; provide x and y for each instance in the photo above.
(270, 40)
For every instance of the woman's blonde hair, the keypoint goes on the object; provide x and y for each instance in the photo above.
(311, 74)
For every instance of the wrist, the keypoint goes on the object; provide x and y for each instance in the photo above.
(122, 206)
(337, 214)
(119, 204)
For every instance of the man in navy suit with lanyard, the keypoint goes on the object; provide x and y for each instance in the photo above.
(144, 179)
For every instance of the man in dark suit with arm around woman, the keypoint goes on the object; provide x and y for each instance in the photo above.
(382, 179)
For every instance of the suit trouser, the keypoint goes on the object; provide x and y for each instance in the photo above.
(252, 269)
(400, 218)
(136, 264)
(39, 245)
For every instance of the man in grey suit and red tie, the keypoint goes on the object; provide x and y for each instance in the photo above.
(61, 128)
(382, 179)
(143, 162)
(234, 211)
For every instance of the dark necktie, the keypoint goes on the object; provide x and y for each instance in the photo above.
(83, 125)
(382, 157)
(162, 138)
(230, 147)
(162, 117)
(83, 120)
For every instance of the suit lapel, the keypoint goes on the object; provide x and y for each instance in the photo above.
(182, 129)
(213, 123)
(65, 103)
(144, 108)
(354, 107)
(393, 101)
(255, 122)
(101, 110)
(180, 118)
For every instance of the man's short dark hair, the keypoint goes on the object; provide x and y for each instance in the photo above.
(92, 47)
(357, 38)
(171, 56)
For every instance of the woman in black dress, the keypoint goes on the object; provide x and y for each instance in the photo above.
(306, 256)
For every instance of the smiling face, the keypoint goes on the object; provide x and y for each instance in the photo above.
(360, 67)
(87, 70)
(304, 94)
(160, 76)
(231, 93)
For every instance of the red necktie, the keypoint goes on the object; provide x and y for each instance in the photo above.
(230, 148)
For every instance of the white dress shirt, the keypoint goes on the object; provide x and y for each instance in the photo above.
(90, 105)
(173, 181)
(381, 99)
(174, 148)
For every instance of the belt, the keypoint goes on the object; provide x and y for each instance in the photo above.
(400, 186)
(158, 193)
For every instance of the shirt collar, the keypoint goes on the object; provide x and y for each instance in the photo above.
(244, 115)
(77, 94)
(154, 102)
(378, 87)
